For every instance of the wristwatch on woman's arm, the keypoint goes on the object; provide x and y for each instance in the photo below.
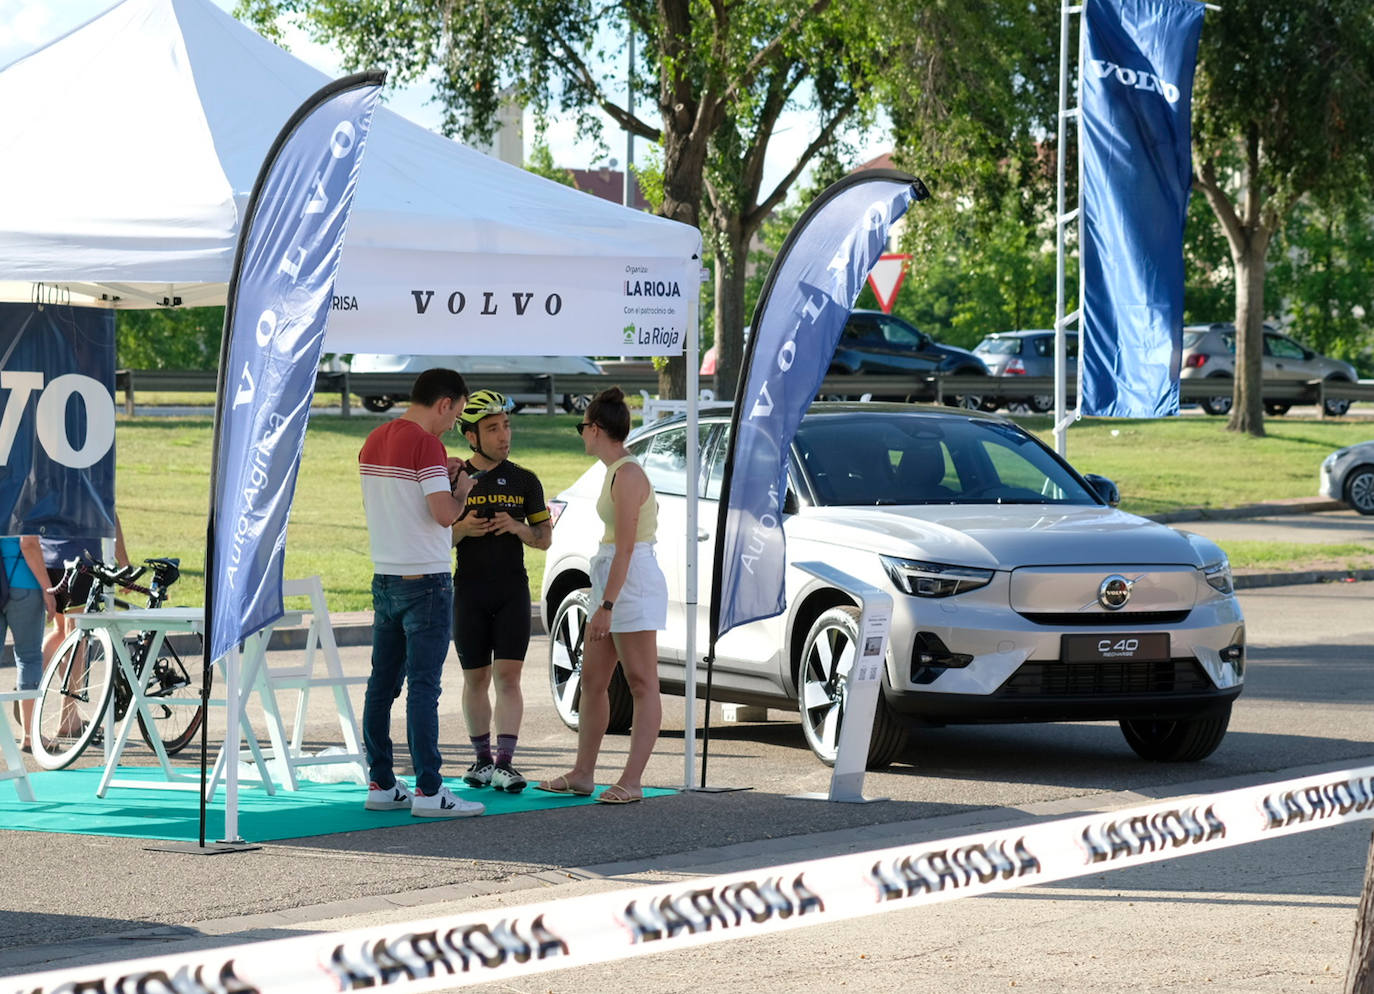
(608, 605)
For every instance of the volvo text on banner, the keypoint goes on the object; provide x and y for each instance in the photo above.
(288, 255)
(1137, 78)
(57, 421)
(803, 308)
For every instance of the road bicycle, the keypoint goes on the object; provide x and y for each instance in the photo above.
(84, 680)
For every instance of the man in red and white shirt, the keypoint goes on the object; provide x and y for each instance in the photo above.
(412, 493)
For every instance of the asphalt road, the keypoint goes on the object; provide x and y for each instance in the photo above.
(1267, 917)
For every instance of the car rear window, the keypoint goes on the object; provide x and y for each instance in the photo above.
(999, 346)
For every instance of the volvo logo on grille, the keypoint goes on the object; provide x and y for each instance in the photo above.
(1114, 592)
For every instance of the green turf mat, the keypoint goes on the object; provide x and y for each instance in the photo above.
(66, 802)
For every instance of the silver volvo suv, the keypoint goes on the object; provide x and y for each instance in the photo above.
(1020, 593)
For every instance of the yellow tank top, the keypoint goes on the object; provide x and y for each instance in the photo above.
(605, 508)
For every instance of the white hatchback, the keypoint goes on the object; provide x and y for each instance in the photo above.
(1020, 594)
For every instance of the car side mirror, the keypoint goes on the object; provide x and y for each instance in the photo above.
(1104, 488)
(790, 504)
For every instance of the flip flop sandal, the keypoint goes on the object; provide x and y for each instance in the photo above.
(562, 785)
(616, 794)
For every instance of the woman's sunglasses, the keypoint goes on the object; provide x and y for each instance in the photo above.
(583, 426)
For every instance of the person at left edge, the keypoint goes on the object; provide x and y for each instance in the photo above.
(412, 494)
(23, 612)
(491, 591)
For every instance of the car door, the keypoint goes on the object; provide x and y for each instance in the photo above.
(1285, 359)
(748, 658)
(664, 458)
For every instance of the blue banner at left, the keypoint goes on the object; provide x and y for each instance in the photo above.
(1137, 85)
(288, 256)
(57, 420)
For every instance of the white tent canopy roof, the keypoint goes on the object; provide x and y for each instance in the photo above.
(133, 144)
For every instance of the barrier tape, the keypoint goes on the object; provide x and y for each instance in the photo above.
(477, 947)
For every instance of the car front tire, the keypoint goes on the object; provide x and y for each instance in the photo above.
(566, 636)
(1335, 408)
(1359, 488)
(377, 404)
(822, 692)
(1184, 741)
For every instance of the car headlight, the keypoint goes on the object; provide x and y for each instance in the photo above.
(1330, 460)
(1219, 576)
(934, 579)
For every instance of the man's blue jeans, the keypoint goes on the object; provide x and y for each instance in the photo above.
(411, 625)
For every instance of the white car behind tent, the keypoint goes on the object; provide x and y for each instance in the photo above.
(473, 367)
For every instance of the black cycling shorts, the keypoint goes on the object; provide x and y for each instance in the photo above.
(491, 621)
(73, 597)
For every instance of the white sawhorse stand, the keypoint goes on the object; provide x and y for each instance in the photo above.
(266, 681)
(863, 683)
(14, 768)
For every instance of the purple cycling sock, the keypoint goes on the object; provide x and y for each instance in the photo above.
(481, 744)
(505, 749)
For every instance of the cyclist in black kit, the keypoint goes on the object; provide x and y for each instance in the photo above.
(505, 512)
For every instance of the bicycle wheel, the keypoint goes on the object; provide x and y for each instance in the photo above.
(72, 698)
(173, 701)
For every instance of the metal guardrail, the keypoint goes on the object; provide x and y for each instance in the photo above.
(928, 388)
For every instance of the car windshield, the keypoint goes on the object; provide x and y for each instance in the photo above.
(999, 346)
(895, 458)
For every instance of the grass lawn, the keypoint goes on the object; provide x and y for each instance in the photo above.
(164, 473)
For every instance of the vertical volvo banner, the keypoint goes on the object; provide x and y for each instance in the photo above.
(1137, 85)
(802, 310)
(57, 420)
(288, 254)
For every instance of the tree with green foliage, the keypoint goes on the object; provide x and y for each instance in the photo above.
(540, 162)
(1322, 277)
(1282, 115)
(169, 338)
(719, 73)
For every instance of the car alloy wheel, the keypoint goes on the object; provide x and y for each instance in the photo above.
(822, 686)
(1335, 408)
(1359, 489)
(566, 636)
(1216, 406)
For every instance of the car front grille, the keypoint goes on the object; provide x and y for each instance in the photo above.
(1101, 619)
(1115, 677)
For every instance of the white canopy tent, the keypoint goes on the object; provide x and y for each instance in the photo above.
(132, 146)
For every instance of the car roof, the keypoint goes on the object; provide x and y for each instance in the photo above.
(1026, 332)
(838, 408)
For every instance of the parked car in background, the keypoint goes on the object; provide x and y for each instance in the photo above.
(1209, 352)
(472, 368)
(1019, 593)
(874, 342)
(1025, 353)
(1348, 475)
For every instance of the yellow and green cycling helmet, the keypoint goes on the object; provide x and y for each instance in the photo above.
(483, 404)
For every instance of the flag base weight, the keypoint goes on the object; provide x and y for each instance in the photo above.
(209, 849)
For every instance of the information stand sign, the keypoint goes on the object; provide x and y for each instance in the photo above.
(863, 684)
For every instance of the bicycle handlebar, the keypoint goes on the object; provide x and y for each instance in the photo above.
(165, 573)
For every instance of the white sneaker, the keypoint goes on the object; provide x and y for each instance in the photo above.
(444, 805)
(392, 799)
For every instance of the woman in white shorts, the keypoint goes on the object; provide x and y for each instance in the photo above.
(631, 598)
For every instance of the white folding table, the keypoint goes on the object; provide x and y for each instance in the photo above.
(161, 622)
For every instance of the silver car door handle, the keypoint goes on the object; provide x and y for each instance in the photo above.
(703, 535)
